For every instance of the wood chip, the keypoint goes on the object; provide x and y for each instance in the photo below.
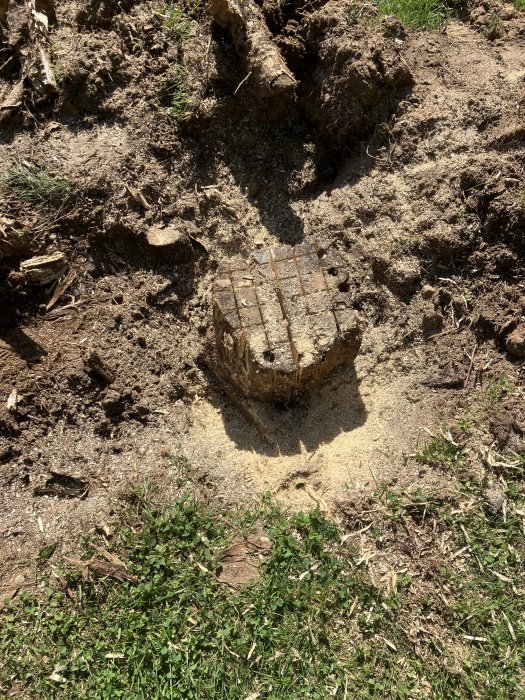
(43, 269)
(61, 287)
(12, 401)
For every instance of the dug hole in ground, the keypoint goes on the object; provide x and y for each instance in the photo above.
(402, 150)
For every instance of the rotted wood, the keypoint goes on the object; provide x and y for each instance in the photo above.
(37, 81)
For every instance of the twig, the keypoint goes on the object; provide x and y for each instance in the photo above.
(242, 83)
(439, 335)
(6, 63)
(206, 81)
(472, 356)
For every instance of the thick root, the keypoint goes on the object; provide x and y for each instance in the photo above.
(253, 40)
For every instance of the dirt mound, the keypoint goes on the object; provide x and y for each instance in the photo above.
(358, 77)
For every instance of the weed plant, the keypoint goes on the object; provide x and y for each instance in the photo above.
(179, 16)
(180, 100)
(33, 185)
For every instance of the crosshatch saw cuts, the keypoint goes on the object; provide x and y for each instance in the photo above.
(284, 319)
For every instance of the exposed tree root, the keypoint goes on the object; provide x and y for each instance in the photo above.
(253, 40)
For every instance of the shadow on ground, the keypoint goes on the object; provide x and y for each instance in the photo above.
(288, 429)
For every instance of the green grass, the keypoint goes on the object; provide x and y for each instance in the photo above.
(415, 14)
(178, 633)
(520, 5)
(178, 90)
(179, 16)
(441, 453)
(31, 184)
(488, 398)
(314, 626)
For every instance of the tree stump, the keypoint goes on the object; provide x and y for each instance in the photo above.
(284, 320)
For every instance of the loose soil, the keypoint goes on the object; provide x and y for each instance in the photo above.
(405, 152)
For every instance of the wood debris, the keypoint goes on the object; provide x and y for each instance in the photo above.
(241, 560)
(61, 287)
(62, 486)
(43, 269)
(37, 83)
(106, 566)
(14, 237)
(138, 197)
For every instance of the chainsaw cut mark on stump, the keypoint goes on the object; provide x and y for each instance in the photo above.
(284, 320)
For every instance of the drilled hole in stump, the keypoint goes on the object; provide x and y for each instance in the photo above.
(321, 253)
(343, 287)
(269, 356)
(332, 271)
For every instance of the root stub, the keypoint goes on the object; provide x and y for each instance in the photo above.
(253, 40)
(282, 323)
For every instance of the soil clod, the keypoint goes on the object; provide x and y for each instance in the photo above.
(516, 342)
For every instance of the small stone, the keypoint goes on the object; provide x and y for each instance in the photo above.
(516, 342)
(494, 497)
(427, 291)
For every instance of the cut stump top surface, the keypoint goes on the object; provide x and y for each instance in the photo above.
(284, 319)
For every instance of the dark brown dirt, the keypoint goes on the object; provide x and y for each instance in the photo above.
(405, 152)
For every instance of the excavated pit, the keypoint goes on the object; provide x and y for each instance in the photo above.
(284, 320)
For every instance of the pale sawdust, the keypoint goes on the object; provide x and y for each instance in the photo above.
(351, 434)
